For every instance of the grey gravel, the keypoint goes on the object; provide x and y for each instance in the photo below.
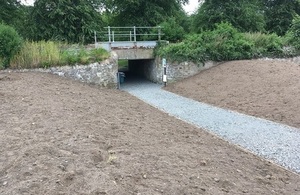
(273, 141)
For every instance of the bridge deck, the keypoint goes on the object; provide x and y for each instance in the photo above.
(127, 45)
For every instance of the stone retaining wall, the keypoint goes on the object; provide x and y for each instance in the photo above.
(178, 71)
(99, 73)
(105, 73)
(295, 60)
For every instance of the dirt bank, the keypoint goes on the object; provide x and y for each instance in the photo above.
(63, 137)
(268, 89)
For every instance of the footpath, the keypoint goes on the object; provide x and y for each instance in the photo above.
(273, 141)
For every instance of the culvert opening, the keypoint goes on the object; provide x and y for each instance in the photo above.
(137, 70)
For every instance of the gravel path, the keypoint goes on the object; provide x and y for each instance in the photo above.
(273, 141)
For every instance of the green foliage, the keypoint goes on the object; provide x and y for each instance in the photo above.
(9, 11)
(83, 56)
(123, 64)
(37, 55)
(44, 54)
(293, 35)
(65, 20)
(99, 54)
(279, 14)
(172, 31)
(244, 15)
(226, 43)
(10, 44)
(223, 43)
(142, 12)
(266, 45)
(184, 51)
(13, 13)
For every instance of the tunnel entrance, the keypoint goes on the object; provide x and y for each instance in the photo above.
(138, 70)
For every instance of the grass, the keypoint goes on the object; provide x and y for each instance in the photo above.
(123, 64)
(44, 54)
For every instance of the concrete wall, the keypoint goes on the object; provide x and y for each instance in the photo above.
(134, 53)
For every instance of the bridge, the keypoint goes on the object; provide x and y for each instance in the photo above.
(136, 46)
(130, 43)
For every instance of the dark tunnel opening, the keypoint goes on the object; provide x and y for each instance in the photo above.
(137, 70)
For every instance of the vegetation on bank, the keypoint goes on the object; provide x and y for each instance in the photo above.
(10, 44)
(226, 43)
(44, 54)
(32, 36)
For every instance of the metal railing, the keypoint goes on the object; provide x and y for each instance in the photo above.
(133, 33)
(117, 37)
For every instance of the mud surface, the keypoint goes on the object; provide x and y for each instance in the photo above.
(64, 137)
(267, 89)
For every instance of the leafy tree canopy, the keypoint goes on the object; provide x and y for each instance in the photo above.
(244, 15)
(279, 14)
(142, 12)
(9, 10)
(66, 20)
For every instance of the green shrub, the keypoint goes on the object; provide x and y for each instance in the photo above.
(68, 57)
(99, 54)
(172, 31)
(226, 43)
(266, 45)
(223, 43)
(10, 44)
(292, 37)
(184, 51)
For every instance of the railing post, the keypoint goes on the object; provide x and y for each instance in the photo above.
(95, 34)
(134, 33)
(130, 38)
(159, 33)
(113, 36)
(109, 38)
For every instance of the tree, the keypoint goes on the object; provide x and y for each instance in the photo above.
(9, 10)
(172, 30)
(142, 12)
(293, 34)
(279, 14)
(245, 15)
(66, 20)
(10, 44)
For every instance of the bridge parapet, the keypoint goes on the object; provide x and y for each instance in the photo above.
(131, 42)
(127, 45)
(134, 54)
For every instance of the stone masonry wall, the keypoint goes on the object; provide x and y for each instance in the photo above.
(99, 73)
(178, 71)
(175, 71)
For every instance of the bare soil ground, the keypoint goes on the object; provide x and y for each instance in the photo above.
(267, 89)
(64, 137)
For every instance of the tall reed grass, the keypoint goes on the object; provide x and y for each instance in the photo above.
(37, 55)
(44, 54)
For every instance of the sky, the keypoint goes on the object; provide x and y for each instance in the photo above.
(190, 8)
